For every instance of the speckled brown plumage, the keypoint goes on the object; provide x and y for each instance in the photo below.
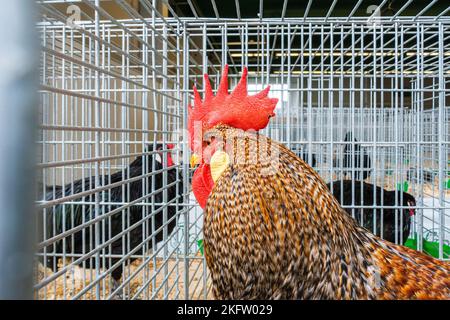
(272, 230)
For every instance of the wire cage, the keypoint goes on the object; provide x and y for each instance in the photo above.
(114, 90)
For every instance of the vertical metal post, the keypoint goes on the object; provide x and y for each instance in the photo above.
(145, 137)
(180, 109)
(288, 124)
(310, 86)
(154, 139)
(331, 104)
(97, 111)
(396, 135)
(164, 138)
(186, 159)
(441, 149)
(18, 110)
(419, 110)
(205, 71)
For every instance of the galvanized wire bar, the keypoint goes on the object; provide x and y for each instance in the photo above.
(238, 9)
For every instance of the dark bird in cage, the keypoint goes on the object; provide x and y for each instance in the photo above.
(138, 220)
(44, 192)
(356, 161)
(304, 154)
(415, 175)
(359, 193)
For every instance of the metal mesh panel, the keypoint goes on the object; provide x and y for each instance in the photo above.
(110, 204)
(114, 90)
(385, 84)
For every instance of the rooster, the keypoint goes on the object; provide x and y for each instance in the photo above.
(272, 229)
(64, 217)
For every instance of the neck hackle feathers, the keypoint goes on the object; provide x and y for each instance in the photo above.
(237, 109)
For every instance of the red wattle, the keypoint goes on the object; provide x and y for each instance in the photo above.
(169, 161)
(202, 184)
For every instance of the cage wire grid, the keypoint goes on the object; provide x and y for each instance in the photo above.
(115, 90)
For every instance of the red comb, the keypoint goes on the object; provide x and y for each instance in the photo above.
(237, 109)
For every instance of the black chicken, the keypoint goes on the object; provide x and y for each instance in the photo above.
(356, 159)
(77, 214)
(342, 190)
(304, 154)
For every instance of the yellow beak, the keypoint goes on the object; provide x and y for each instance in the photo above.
(195, 160)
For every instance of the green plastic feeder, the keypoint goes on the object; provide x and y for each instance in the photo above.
(403, 186)
(430, 247)
(447, 185)
(200, 245)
